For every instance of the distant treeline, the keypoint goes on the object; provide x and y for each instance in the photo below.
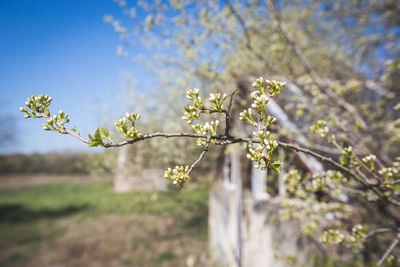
(51, 163)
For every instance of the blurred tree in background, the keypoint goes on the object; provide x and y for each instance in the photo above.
(8, 130)
(341, 59)
(341, 54)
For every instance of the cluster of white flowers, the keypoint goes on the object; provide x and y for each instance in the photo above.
(357, 233)
(217, 100)
(262, 154)
(209, 128)
(370, 159)
(178, 175)
(320, 128)
(261, 100)
(129, 130)
(193, 112)
(246, 115)
(193, 94)
(387, 171)
(273, 87)
(258, 83)
(317, 182)
(332, 236)
(37, 105)
(214, 97)
(56, 122)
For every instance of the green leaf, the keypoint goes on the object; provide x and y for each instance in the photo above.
(105, 132)
(97, 134)
(95, 143)
(276, 165)
(395, 187)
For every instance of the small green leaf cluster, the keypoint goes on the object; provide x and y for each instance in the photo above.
(99, 136)
(179, 175)
(392, 260)
(127, 126)
(193, 112)
(38, 106)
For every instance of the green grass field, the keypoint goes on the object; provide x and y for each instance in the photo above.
(83, 223)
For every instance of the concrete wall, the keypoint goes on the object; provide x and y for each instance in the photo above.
(223, 227)
(260, 241)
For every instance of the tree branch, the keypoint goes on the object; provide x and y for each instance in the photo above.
(227, 140)
(378, 231)
(309, 69)
(200, 157)
(65, 130)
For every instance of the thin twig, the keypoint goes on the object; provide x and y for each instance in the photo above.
(390, 248)
(307, 65)
(65, 130)
(241, 22)
(200, 157)
(77, 136)
(378, 231)
(160, 134)
(228, 113)
(392, 183)
(210, 111)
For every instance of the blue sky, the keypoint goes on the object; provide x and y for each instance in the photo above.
(64, 49)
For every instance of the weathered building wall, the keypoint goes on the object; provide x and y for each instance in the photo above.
(223, 226)
(261, 239)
